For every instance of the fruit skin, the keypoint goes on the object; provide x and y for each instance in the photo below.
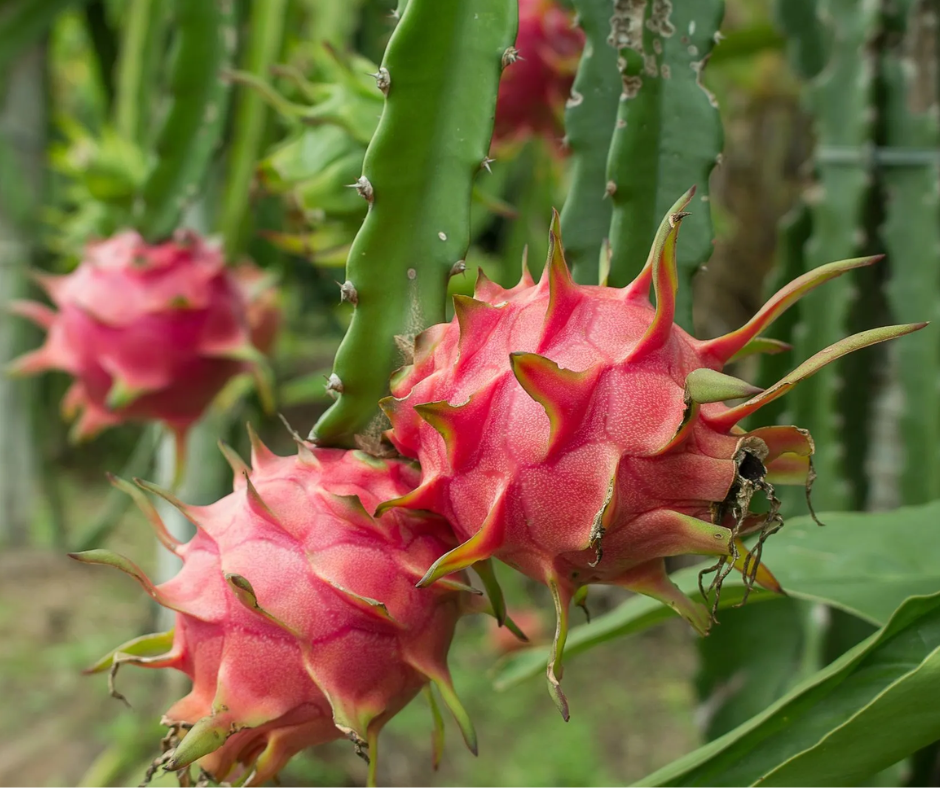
(298, 619)
(534, 88)
(578, 435)
(149, 332)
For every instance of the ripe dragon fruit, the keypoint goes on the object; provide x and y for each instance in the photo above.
(147, 332)
(578, 435)
(532, 94)
(297, 615)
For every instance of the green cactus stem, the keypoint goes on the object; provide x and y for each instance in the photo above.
(668, 134)
(143, 35)
(265, 39)
(841, 98)
(589, 124)
(912, 235)
(806, 38)
(440, 76)
(206, 39)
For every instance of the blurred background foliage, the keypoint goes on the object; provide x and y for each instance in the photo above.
(831, 151)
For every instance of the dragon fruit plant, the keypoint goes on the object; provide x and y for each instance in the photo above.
(148, 332)
(297, 615)
(580, 436)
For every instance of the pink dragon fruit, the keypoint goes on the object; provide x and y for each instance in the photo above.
(147, 332)
(533, 92)
(578, 435)
(297, 615)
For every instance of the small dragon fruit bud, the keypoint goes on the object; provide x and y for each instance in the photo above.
(147, 332)
(538, 76)
(297, 613)
(579, 435)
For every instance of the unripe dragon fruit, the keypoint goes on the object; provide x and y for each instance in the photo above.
(577, 434)
(533, 92)
(147, 332)
(297, 615)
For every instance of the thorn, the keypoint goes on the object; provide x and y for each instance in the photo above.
(334, 385)
(485, 164)
(364, 188)
(382, 79)
(460, 267)
(347, 292)
(510, 56)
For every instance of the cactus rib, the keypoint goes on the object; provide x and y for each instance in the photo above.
(443, 63)
(668, 134)
(589, 125)
(912, 239)
(841, 98)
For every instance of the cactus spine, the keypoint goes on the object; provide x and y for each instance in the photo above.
(668, 134)
(442, 65)
(589, 125)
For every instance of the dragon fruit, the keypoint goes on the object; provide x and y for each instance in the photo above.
(147, 332)
(578, 435)
(297, 615)
(533, 92)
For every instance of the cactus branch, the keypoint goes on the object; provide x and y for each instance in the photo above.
(912, 235)
(589, 125)
(443, 62)
(266, 32)
(667, 136)
(187, 140)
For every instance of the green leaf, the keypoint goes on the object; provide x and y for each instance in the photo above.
(748, 662)
(864, 712)
(863, 563)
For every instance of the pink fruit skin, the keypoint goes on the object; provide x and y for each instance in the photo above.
(545, 500)
(160, 329)
(333, 637)
(533, 90)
